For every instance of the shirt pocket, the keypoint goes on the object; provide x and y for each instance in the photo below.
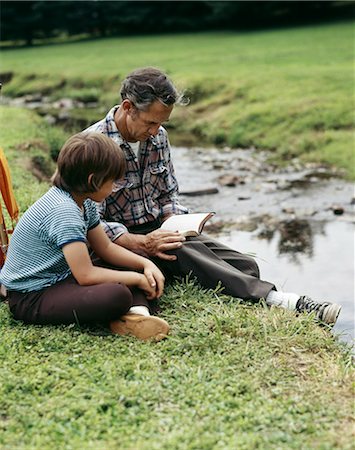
(158, 168)
(155, 179)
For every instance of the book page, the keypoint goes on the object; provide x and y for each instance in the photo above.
(187, 224)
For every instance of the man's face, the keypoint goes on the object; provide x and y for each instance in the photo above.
(143, 124)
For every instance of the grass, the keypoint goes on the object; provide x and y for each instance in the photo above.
(231, 375)
(286, 90)
(28, 143)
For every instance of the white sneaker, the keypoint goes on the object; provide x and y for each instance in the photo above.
(325, 312)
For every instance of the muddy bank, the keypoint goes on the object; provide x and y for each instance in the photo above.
(248, 193)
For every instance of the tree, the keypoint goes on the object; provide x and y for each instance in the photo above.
(27, 20)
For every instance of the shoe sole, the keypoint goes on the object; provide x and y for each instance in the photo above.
(331, 313)
(142, 327)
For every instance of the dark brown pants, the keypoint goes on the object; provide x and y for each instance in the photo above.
(67, 302)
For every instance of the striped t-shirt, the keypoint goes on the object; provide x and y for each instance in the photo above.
(35, 259)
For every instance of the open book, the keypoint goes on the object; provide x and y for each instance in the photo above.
(187, 224)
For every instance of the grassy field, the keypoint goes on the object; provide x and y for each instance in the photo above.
(230, 376)
(289, 91)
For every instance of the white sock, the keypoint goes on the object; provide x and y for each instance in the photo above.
(286, 300)
(141, 310)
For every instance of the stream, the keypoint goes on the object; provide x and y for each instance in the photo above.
(298, 222)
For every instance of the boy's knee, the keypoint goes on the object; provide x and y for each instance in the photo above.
(118, 299)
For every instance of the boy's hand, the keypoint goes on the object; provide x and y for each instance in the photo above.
(144, 285)
(155, 278)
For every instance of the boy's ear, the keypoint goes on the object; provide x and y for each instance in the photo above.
(91, 180)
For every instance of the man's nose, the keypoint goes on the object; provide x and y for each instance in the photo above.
(153, 130)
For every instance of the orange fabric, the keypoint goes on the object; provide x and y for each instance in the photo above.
(6, 189)
(10, 204)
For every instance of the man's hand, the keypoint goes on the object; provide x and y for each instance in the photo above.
(160, 241)
(155, 243)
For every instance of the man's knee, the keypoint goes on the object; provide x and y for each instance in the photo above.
(253, 268)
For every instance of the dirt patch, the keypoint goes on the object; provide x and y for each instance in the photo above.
(6, 77)
(35, 144)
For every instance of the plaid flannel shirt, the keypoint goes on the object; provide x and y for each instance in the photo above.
(149, 190)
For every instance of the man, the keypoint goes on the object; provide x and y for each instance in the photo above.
(148, 195)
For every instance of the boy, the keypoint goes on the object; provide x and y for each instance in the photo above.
(48, 273)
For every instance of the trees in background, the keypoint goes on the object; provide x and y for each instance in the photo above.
(29, 20)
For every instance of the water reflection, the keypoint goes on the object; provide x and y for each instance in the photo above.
(295, 238)
(322, 269)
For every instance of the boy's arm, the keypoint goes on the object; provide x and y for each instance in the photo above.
(78, 258)
(112, 229)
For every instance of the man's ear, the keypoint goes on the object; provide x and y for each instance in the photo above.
(129, 108)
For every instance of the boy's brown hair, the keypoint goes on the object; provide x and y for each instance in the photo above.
(84, 154)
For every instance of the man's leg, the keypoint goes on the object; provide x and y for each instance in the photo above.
(240, 261)
(211, 262)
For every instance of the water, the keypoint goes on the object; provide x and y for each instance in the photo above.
(324, 273)
(315, 257)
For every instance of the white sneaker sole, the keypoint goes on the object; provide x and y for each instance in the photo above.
(331, 313)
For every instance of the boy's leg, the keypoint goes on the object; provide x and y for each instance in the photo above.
(138, 322)
(67, 302)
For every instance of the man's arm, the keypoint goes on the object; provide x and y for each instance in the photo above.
(112, 229)
(155, 243)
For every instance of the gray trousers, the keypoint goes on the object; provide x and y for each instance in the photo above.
(211, 263)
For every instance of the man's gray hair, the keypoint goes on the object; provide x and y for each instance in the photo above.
(142, 87)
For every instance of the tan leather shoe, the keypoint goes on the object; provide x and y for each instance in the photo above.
(3, 292)
(142, 327)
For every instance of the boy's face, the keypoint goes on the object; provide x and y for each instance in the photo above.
(104, 191)
(143, 124)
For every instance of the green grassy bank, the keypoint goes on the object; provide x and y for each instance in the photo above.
(289, 91)
(230, 376)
